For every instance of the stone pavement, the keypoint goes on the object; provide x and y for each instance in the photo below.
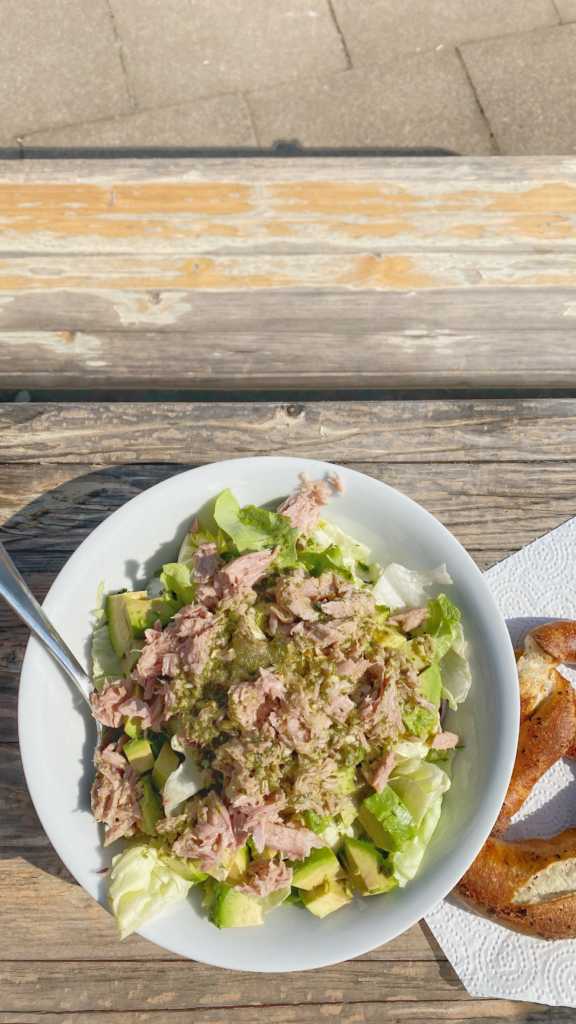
(474, 76)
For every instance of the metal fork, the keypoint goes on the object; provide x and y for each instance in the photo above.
(17, 594)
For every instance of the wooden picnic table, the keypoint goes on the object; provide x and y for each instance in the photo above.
(414, 319)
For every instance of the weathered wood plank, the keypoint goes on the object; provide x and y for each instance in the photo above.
(288, 205)
(296, 356)
(366, 270)
(171, 985)
(72, 924)
(264, 313)
(459, 431)
(359, 1012)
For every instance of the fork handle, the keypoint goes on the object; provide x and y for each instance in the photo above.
(22, 601)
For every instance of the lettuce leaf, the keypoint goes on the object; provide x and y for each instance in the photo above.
(177, 578)
(187, 780)
(443, 624)
(406, 862)
(387, 819)
(141, 885)
(347, 553)
(253, 529)
(329, 560)
(105, 662)
(399, 587)
(418, 783)
(456, 675)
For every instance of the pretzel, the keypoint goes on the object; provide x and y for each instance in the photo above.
(530, 885)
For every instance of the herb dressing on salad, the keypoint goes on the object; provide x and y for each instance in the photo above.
(272, 719)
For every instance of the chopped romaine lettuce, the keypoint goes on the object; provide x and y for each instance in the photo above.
(331, 559)
(177, 579)
(399, 587)
(352, 554)
(442, 623)
(141, 885)
(405, 862)
(456, 675)
(418, 783)
(253, 529)
(105, 662)
(386, 819)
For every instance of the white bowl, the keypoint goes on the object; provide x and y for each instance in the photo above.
(57, 738)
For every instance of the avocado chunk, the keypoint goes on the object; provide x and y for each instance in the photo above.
(129, 614)
(366, 867)
(326, 898)
(231, 908)
(187, 869)
(430, 684)
(140, 754)
(387, 820)
(150, 806)
(238, 864)
(319, 867)
(133, 728)
(166, 763)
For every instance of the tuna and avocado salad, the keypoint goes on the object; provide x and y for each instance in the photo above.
(272, 707)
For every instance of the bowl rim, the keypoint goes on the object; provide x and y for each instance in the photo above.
(484, 819)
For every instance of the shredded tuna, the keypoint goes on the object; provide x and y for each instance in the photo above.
(336, 481)
(359, 603)
(210, 837)
(352, 669)
(239, 576)
(116, 702)
(116, 794)
(294, 594)
(409, 620)
(158, 642)
(249, 703)
(252, 820)
(205, 561)
(303, 508)
(378, 773)
(445, 741)
(266, 876)
(294, 843)
(381, 704)
(325, 634)
(198, 648)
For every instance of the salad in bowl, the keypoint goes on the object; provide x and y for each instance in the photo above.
(273, 710)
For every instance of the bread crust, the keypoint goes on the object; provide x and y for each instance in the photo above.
(503, 868)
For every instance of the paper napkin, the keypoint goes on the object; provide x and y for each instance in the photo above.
(537, 583)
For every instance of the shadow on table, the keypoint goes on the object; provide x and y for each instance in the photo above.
(40, 538)
(282, 149)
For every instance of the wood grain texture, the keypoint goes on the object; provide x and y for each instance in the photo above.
(362, 1011)
(288, 354)
(498, 473)
(288, 273)
(288, 205)
(469, 431)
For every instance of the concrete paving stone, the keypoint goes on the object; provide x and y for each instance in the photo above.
(218, 121)
(59, 63)
(377, 30)
(525, 84)
(177, 51)
(425, 100)
(566, 9)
